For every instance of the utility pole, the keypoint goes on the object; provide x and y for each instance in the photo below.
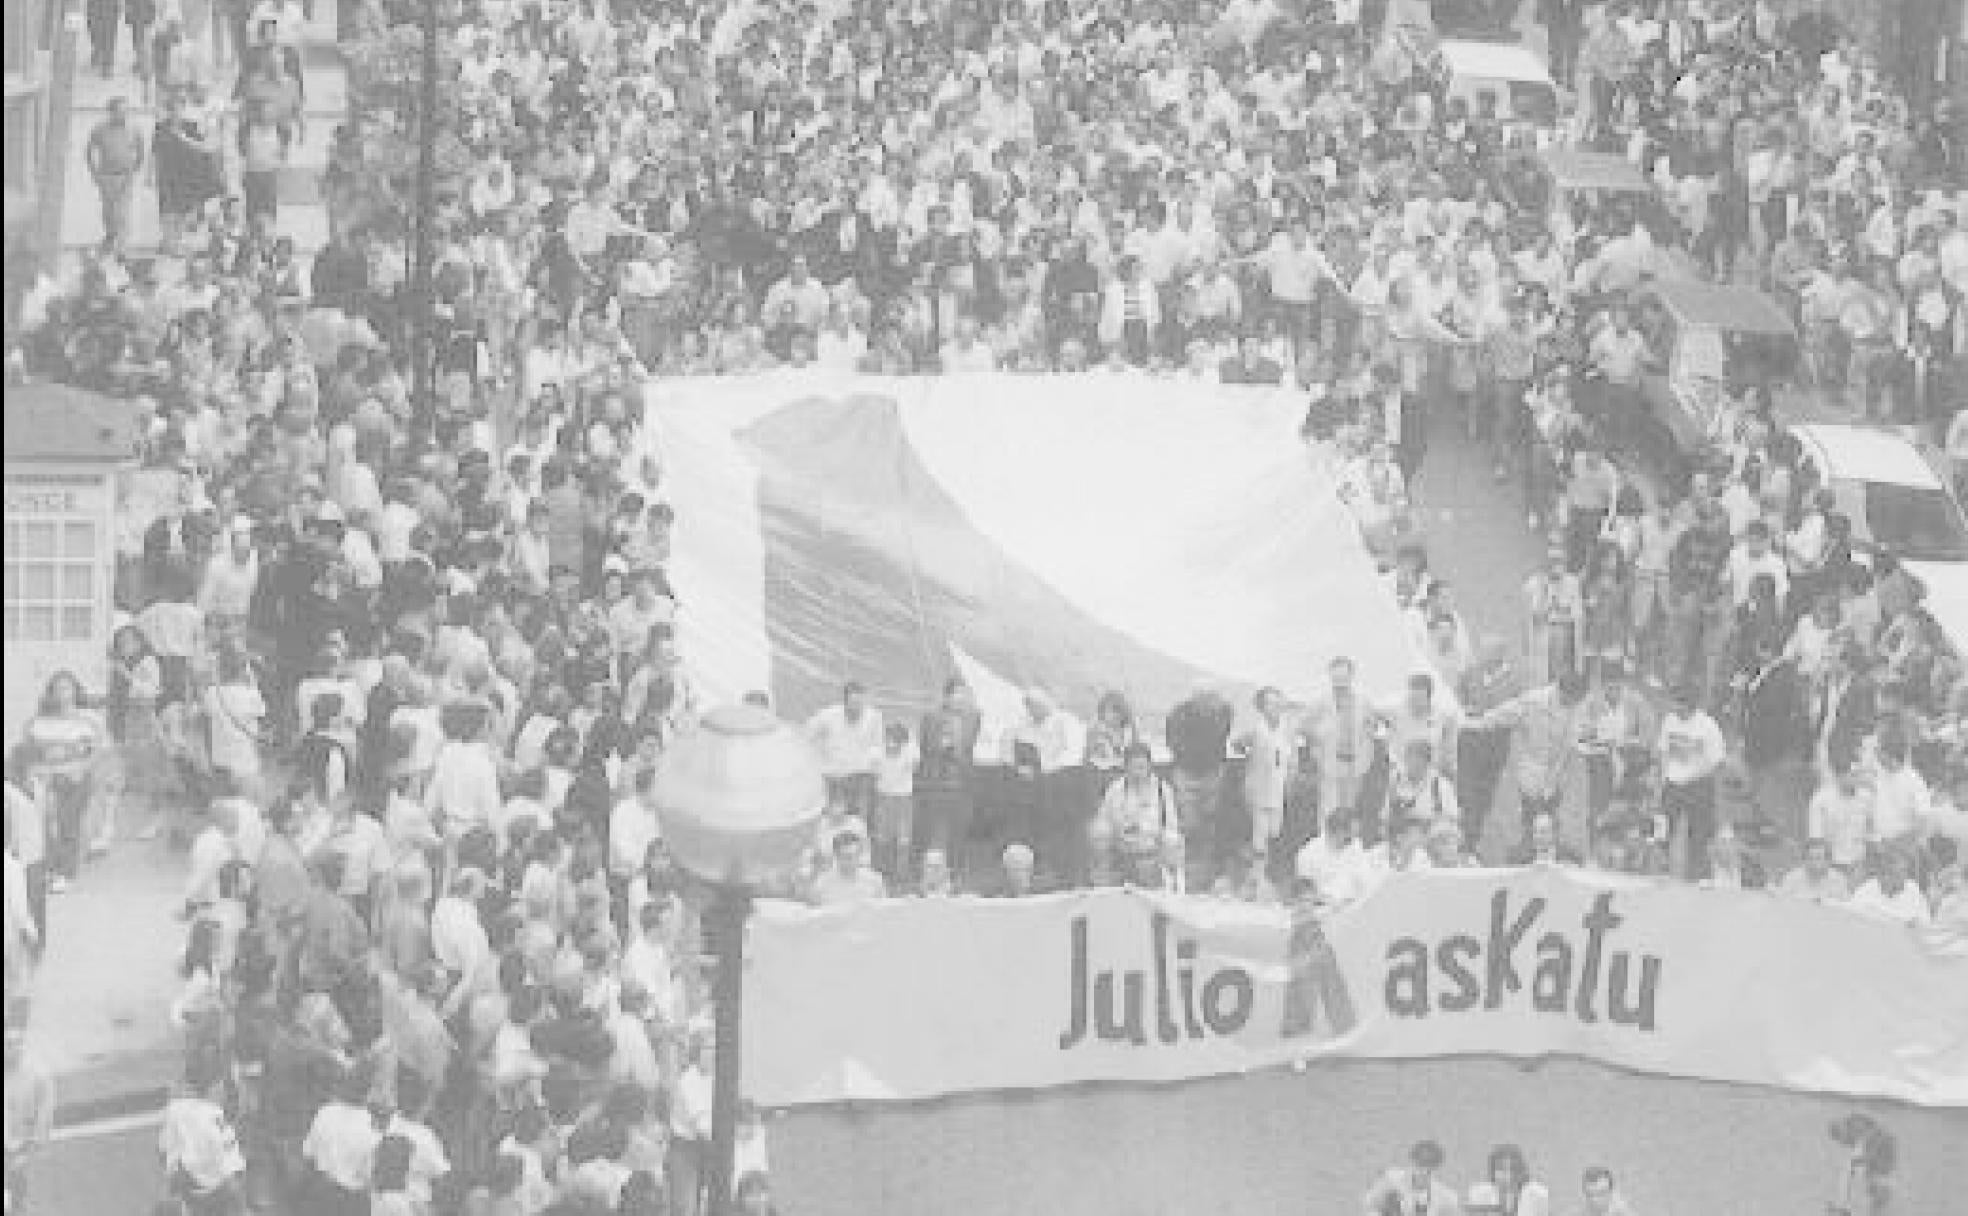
(52, 202)
(423, 290)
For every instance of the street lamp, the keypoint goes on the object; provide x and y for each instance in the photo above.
(737, 799)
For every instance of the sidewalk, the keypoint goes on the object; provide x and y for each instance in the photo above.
(99, 1022)
(303, 216)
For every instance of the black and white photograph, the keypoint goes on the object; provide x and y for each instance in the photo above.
(986, 607)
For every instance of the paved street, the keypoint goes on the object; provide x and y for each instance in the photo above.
(110, 1169)
(100, 1027)
(302, 215)
(1478, 539)
(106, 982)
(1315, 1140)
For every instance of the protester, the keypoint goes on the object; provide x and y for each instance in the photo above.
(115, 155)
(445, 609)
(1602, 1196)
(1413, 1188)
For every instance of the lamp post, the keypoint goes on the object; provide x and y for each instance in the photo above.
(737, 800)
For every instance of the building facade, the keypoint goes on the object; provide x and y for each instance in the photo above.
(65, 453)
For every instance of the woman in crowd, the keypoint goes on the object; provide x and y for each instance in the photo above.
(235, 717)
(1137, 832)
(66, 740)
(136, 684)
(1511, 1189)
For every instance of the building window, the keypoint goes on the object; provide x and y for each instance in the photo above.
(50, 580)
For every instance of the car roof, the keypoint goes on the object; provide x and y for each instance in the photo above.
(1582, 169)
(1723, 306)
(1494, 61)
(1862, 453)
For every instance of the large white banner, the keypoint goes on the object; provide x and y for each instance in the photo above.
(1083, 534)
(912, 999)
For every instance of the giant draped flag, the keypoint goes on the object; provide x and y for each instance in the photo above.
(912, 999)
(1073, 534)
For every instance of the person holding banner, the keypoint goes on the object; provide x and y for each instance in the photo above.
(848, 881)
(1816, 878)
(1270, 749)
(1137, 832)
(1336, 863)
(1891, 892)
(1017, 874)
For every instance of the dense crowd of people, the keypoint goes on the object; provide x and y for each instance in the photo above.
(400, 671)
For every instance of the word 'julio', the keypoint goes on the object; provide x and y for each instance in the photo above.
(1219, 1006)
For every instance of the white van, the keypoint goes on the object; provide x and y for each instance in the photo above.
(1897, 500)
(1513, 73)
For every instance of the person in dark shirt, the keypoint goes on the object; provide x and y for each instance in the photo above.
(947, 742)
(340, 276)
(1699, 605)
(1070, 293)
(1198, 732)
(1250, 365)
(1481, 752)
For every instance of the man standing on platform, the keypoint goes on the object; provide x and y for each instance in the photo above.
(849, 738)
(1198, 734)
(1270, 750)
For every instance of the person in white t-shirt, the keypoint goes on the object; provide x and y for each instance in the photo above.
(797, 304)
(1620, 355)
(1841, 816)
(200, 1149)
(1754, 557)
(1691, 749)
(1336, 863)
(849, 738)
(1900, 794)
(893, 826)
(632, 828)
(848, 881)
(1815, 878)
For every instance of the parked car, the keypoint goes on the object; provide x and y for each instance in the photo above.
(1899, 501)
(1711, 343)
